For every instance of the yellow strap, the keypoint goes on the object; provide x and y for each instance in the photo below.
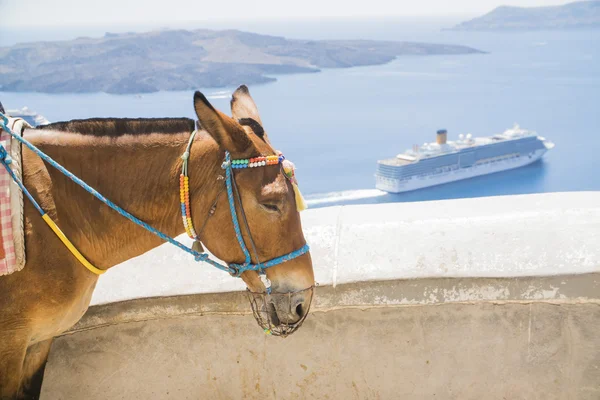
(70, 246)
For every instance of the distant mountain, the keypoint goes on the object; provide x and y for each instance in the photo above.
(183, 60)
(579, 15)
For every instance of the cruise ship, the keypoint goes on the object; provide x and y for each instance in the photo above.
(447, 161)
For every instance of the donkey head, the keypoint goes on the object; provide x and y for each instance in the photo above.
(269, 205)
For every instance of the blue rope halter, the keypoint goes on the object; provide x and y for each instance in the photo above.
(234, 269)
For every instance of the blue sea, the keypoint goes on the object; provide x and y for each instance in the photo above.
(336, 124)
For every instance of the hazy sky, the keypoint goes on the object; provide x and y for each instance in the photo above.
(107, 12)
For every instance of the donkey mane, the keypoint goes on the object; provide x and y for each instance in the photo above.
(115, 127)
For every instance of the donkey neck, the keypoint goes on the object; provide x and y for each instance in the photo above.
(140, 173)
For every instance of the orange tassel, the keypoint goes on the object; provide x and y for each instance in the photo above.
(300, 203)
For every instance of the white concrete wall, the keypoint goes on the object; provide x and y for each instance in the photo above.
(508, 236)
(490, 298)
(478, 351)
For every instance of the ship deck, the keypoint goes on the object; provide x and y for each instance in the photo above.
(396, 162)
(485, 144)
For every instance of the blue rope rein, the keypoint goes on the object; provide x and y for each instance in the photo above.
(5, 160)
(233, 269)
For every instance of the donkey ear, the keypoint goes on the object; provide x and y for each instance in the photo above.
(243, 106)
(227, 133)
(244, 110)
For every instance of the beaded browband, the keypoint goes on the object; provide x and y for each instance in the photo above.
(257, 161)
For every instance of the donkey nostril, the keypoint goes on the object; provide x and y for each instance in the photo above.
(300, 310)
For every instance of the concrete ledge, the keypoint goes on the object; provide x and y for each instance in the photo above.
(362, 295)
(447, 338)
(495, 298)
(507, 236)
(450, 351)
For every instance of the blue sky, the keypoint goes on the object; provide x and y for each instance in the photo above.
(65, 13)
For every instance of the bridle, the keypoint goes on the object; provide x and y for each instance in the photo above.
(231, 187)
(233, 195)
(261, 303)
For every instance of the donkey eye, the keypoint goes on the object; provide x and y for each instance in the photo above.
(271, 207)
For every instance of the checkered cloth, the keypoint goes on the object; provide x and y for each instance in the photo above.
(12, 241)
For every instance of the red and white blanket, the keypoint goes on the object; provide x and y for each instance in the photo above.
(12, 241)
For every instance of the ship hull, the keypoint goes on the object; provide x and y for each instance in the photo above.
(420, 182)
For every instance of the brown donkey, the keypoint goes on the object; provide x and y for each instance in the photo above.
(136, 163)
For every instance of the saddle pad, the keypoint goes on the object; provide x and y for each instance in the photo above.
(12, 245)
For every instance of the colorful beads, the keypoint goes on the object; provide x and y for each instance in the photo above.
(184, 186)
(186, 214)
(257, 161)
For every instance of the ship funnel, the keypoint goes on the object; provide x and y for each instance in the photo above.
(442, 135)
